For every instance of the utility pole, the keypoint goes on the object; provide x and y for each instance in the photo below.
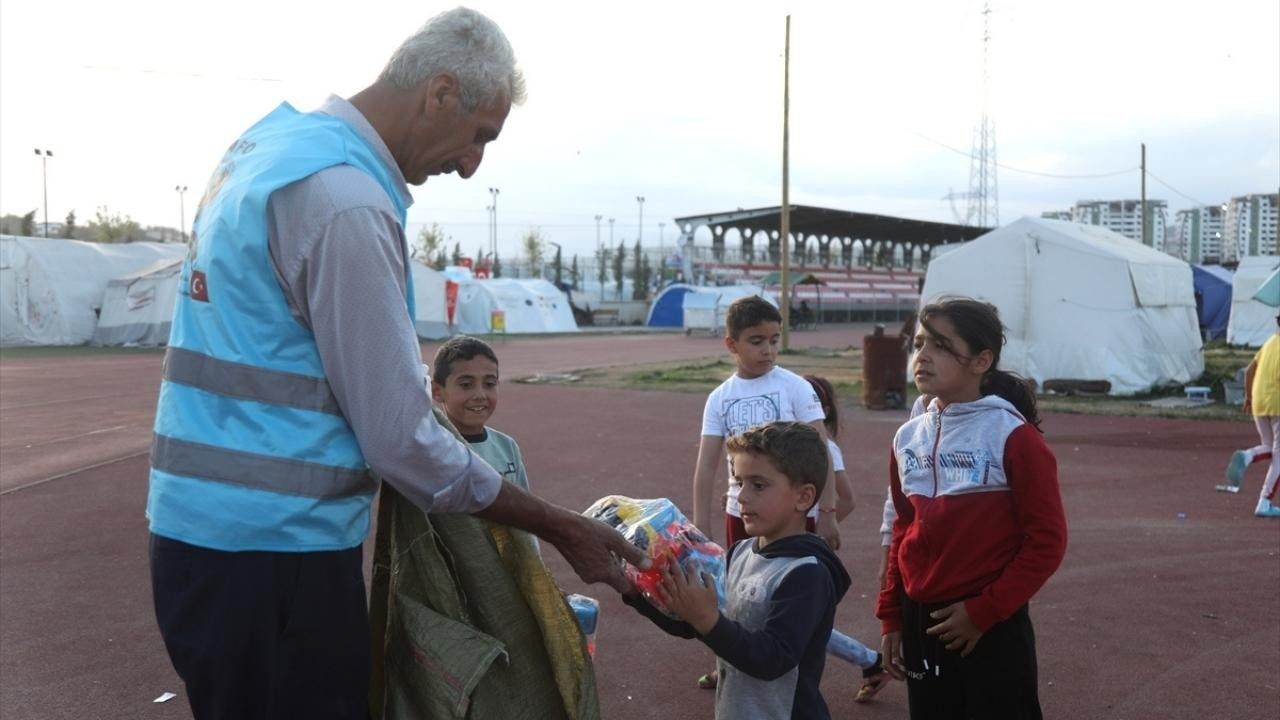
(598, 219)
(1142, 219)
(611, 232)
(182, 210)
(44, 166)
(785, 229)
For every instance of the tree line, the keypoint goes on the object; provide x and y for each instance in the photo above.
(105, 227)
(431, 248)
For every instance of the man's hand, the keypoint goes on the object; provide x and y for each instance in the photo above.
(591, 547)
(593, 550)
(690, 596)
(891, 655)
(956, 630)
(828, 530)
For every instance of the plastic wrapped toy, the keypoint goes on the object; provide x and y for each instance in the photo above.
(660, 529)
(587, 610)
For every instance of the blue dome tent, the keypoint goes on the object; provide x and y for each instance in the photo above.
(667, 309)
(1213, 299)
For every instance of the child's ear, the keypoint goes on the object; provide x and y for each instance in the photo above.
(730, 344)
(436, 389)
(982, 362)
(806, 497)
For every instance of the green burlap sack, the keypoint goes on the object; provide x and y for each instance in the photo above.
(468, 623)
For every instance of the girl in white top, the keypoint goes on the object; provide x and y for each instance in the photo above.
(840, 645)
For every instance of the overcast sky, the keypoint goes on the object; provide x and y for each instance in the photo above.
(680, 102)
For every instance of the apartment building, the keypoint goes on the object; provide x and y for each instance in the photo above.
(1199, 233)
(1125, 217)
(1249, 226)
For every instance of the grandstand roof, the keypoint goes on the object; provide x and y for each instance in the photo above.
(808, 220)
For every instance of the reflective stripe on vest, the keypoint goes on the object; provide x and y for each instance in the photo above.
(232, 379)
(251, 451)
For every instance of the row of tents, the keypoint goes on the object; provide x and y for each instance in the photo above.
(1079, 302)
(68, 292)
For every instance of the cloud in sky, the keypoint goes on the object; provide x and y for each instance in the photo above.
(677, 101)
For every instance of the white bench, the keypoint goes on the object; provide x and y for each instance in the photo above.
(1199, 393)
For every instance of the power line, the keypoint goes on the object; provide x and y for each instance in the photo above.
(1024, 171)
(1176, 190)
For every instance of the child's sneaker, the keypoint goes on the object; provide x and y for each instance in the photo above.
(1235, 471)
(1266, 509)
(873, 678)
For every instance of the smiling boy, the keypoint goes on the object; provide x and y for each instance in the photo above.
(782, 584)
(464, 382)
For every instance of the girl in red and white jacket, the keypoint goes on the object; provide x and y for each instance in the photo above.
(980, 526)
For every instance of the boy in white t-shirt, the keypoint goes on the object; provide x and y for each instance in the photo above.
(758, 392)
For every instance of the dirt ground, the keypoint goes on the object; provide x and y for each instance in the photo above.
(1165, 606)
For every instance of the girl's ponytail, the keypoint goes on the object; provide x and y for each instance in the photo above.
(1016, 389)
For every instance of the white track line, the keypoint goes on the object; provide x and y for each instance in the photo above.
(73, 472)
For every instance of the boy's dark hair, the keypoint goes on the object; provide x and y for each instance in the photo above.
(795, 449)
(462, 347)
(978, 324)
(748, 312)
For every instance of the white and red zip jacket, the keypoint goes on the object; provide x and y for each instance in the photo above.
(979, 513)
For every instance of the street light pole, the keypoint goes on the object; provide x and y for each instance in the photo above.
(182, 210)
(611, 232)
(44, 168)
(662, 255)
(493, 241)
(640, 231)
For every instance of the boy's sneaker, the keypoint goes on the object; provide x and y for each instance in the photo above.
(873, 678)
(1235, 471)
(1266, 509)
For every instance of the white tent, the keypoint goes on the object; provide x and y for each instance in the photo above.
(524, 305)
(1251, 322)
(430, 305)
(52, 289)
(137, 308)
(1080, 302)
(705, 307)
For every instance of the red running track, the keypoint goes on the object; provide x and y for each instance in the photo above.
(1152, 615)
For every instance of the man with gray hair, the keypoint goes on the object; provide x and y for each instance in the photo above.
(284, 394)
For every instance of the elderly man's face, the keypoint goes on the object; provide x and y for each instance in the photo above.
(448, 139)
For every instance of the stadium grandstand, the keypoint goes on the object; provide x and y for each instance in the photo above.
(845, 265)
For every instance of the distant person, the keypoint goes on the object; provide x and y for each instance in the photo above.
(782, 583)
(758, 392)
(954, 606)
(1262, 400)
(464, 382)
(868, 660)
(806, 313)
(284, 400)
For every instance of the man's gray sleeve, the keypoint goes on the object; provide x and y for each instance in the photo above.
(345, 278)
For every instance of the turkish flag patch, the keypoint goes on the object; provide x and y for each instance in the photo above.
(199, 287)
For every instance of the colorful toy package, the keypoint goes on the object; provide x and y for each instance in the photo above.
(661, 530)
(587, 610)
